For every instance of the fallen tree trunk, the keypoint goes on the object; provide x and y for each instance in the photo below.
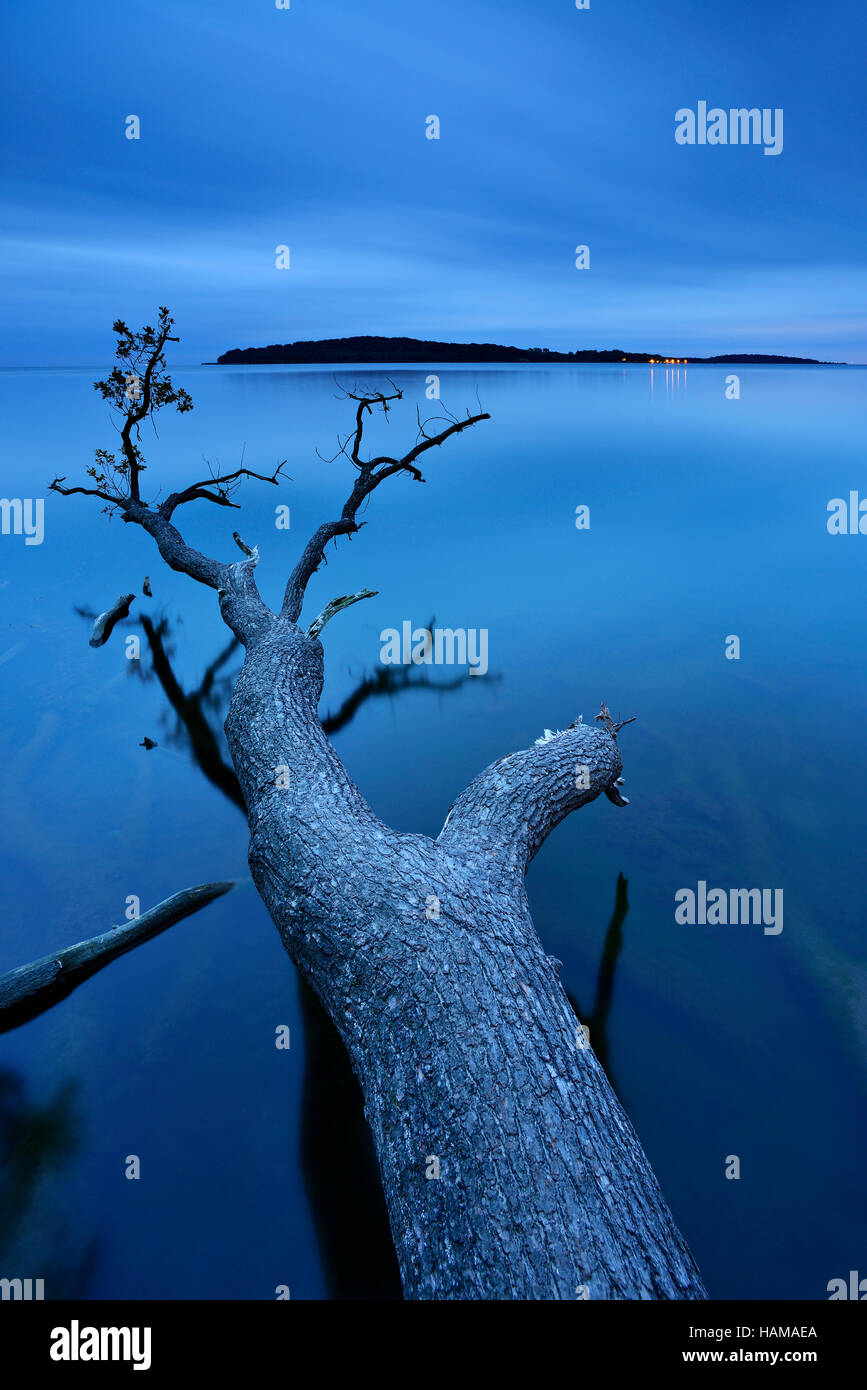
(509, 1168)
(31, 989)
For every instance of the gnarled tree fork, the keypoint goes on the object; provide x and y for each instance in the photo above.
(423, 951)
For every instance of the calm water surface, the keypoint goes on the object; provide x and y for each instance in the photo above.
(708, 518)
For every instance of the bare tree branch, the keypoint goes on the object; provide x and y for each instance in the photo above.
(371, 472)
(33, 988)
(242, 545)
(606, 719)
(136, 398)
(112, 498)
(365, 406)
(335, 606)
(221, 483)
(533, 791)
(117, 483)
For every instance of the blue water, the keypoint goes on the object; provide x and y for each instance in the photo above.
(708, 518)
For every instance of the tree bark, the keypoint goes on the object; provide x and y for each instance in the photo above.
(424, 955)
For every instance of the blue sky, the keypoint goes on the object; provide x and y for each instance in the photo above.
(306, 127)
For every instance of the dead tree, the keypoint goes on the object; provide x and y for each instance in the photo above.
(508, 1166)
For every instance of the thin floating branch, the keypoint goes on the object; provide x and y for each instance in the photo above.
(31, 989)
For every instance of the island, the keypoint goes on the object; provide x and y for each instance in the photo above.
(373, 349)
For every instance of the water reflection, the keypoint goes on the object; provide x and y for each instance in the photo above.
(36, 1143)
(597, 1021)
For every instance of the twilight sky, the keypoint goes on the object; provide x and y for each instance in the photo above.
(306, 127)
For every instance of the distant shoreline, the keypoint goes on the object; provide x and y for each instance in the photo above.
(370, 350)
